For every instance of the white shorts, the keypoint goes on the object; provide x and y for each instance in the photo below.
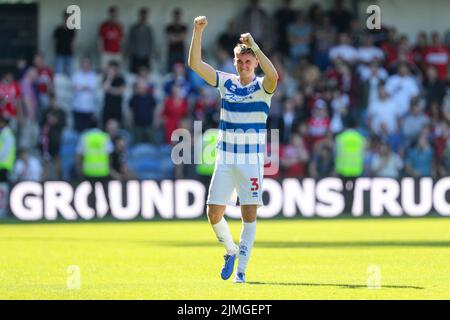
(245, 179)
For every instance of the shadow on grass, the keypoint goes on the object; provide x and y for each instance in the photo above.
(259, 244)
(337, 285)
(317, 244)
(11, 220)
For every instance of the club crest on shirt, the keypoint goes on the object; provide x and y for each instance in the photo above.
(236, 94)
(235, 98)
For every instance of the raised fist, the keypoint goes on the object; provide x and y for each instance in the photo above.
(200, 23)
(247, 39)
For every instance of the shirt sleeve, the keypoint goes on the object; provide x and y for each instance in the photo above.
(268, 94)
(217, 79)
(221, 78)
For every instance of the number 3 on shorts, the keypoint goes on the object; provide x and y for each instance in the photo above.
(254, 184)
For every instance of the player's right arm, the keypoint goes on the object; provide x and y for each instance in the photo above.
(195, 61)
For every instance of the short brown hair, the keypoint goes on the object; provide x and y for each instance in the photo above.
(243, 49)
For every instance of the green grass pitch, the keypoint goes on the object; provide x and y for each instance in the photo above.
(292, 259)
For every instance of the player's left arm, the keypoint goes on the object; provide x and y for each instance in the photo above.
(270, 73)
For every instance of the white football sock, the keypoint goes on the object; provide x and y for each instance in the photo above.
(223, 234)
(246, 244)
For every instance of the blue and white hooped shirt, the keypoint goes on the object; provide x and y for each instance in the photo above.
(243, 114)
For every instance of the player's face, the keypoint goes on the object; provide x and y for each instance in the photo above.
(245, 64)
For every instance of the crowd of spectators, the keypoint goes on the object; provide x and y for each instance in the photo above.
(331, 68)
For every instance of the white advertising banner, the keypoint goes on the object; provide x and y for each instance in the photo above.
(185, 199)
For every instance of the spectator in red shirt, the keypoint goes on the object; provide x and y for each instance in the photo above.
(441, 137)
(205, 109)
(438, 55)
(44, 81)
(294, 157)
(111, 34)
(175, 109)
(319, 123)
(405, 55)
(10, 96)
(272, 159)
(404, 46)
(390, 48)
(418, 50)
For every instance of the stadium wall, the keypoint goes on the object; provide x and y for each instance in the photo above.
(409, 16)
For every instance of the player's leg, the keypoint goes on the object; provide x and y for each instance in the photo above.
(223, 234)
(249, 188)
(247, 239)
(220, 226)
(220, 192)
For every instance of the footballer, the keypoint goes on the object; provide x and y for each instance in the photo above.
(245, 103)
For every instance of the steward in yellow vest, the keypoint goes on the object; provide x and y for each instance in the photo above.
(350, 151)
(349, 160)
(93, 154)
(7, 149)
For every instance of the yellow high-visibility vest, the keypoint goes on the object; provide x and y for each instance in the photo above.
(350, 146)
(96, 156)
(8, 162)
